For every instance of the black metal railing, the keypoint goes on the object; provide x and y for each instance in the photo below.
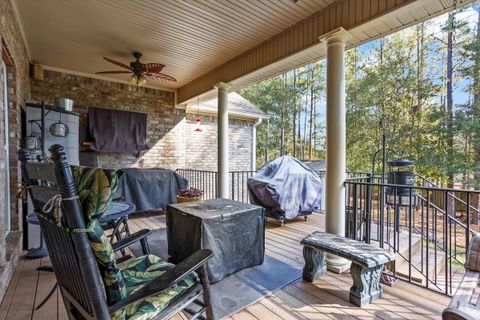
(201, 179)
(428, 227)
(238, 185)
(207, 181)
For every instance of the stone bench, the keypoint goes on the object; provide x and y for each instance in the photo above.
(366, 269)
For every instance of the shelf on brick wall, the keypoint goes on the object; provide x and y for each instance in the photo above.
(52, 108)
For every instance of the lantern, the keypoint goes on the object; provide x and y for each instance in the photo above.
(198, 120)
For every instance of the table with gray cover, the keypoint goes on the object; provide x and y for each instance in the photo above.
(234, 231)
(149, 188)
(366, 269)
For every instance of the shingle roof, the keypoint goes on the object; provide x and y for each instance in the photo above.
(316, 165)
(237, 106)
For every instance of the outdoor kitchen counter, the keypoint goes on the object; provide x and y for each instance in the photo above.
(234, 231)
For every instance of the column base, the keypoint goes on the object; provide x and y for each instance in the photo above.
(337, 264)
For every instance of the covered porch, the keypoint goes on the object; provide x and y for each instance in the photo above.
(245, 43)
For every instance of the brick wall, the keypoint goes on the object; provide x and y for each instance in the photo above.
(18, 93)
(164, 122)
(201, 147)
(3, 178)
(171, 136)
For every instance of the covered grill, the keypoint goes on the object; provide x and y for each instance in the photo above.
(287, 188)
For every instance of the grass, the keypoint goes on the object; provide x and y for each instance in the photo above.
(458, 261)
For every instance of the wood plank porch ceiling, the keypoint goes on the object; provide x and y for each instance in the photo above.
(203, 42)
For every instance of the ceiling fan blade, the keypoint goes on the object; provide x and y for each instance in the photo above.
(112, 72)
(161, 76)
(117, 63)
(152, 67)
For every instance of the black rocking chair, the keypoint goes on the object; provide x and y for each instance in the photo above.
(74, 263)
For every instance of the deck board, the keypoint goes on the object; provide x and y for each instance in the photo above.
(325, 298)
(46, 281)
(21, 306)
(7, 299)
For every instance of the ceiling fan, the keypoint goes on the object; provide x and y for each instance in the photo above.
(140, 71)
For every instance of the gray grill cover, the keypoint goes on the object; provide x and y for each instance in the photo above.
(286, 187)
(234, 231)
(150, 189)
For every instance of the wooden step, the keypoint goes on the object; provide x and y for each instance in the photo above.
(402, 265)
(403, 244)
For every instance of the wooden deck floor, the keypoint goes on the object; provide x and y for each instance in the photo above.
(326, 298)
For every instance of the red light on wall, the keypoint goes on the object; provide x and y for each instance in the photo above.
(198, 121)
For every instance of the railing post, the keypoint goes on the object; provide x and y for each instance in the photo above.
(428, 237)
(410, 217)
(445, 241)
(353, 216)
(467, 232)
(232, 178)
(216, 185)
(368, 209)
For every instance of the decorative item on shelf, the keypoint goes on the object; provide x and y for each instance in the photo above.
(33, 142)
(64, 103)
(59, 129)
(198, 120)
(189, 195)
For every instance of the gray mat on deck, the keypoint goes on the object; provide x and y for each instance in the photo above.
(238, 290)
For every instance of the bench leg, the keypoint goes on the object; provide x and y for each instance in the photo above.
(366, 284)
(315, 265)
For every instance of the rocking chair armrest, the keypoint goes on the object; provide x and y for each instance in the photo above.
(168, 279)
(455, 314)
(127, 241)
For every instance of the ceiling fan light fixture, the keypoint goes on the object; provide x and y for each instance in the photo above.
(141, 80)
(141, 72)
(133, 80)
(137, 80)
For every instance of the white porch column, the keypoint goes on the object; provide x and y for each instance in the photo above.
(336, 145)
(222, 140)
(254, 144)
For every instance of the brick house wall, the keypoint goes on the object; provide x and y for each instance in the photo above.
(201, 147)
(18, 92)
(3, 178)
(164, 121)
(170, 131)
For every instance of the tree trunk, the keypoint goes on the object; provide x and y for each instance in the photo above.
(383, 117)
(418, 105)
(312, 102)
(304, 145)
(266, 141)
(476, 115)
(282, 138)
(299, 130)
(476, 105)
(450, 182)
(294, 113)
